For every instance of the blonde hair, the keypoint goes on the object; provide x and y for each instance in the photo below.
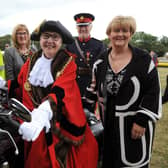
(122, 21)
(17, 28)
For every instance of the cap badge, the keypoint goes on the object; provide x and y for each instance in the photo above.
(81, 18)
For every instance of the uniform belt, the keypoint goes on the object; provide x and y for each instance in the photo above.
(83, 71)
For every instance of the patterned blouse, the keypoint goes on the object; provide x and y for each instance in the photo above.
(114, 80)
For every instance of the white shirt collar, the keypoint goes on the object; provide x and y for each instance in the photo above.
(41, 75)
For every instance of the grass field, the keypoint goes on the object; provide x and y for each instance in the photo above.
(160, 146)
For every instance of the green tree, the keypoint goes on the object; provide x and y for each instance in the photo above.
(149, 42)
(5, 40)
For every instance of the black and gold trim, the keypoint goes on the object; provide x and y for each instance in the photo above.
(64, 123)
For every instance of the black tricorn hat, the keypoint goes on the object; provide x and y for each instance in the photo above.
(53, 26)
(83, 19)
(35, 34)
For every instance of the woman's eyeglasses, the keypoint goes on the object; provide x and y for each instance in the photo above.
(21, 33)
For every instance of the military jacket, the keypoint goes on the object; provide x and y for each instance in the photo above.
(91, 49)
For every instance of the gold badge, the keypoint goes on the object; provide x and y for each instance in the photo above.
(81, 18)
(27, 86)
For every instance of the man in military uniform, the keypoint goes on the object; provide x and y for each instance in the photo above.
(86, 48)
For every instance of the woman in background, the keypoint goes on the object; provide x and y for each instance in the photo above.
(15, 56)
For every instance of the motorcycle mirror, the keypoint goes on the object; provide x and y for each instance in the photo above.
(20, 110)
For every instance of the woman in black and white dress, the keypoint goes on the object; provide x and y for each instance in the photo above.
(126, 84)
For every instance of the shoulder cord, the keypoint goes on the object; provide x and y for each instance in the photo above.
(80, 51)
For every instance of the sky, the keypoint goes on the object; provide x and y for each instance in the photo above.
(151, 15)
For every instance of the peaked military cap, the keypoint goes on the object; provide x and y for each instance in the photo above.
(83, 19)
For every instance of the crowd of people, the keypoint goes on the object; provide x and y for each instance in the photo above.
(69, 75)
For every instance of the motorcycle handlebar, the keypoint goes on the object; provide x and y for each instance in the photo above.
(10, 113)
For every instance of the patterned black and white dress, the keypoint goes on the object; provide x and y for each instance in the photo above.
(130, 96)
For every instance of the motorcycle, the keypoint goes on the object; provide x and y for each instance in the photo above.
(97, 130)
(95, 124)
(11, 111)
